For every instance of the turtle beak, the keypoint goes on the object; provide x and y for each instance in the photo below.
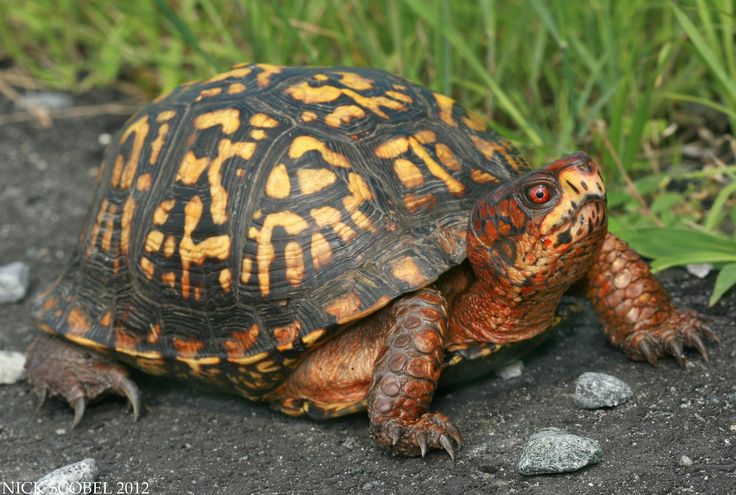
(583, 193)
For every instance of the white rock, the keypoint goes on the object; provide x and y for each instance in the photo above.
(13, 282)
(595, 390)
(513, 370)
(69, 479)
(11, 366)
(685, 461)
(552, 450)
(700, 270)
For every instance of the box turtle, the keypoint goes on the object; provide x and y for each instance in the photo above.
(331, 240)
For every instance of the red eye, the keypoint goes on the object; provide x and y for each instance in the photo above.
(538, 194)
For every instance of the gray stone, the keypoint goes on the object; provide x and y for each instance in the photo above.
(68, 479)
(595, 390)
(11, 366)
(13, 282)
(48, 100)
(552, 450)
(513, 370)
(685, 461)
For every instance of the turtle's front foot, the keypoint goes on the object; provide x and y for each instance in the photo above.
(431, 431)
(58, 369)
(682, 329)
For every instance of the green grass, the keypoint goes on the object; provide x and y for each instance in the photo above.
(607, 76)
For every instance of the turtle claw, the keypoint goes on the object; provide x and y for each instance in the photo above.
(80, 406)
(697, 342)
(675, 348)
(646, 351)
(446, 443)
(422, 442)
(129, 390)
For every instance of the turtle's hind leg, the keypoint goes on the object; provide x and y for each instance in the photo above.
(58, 369)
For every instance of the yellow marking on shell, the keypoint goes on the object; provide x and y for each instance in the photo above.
(125, 224)
(482, 177)
(165, 116)
(312, 337)
(191, 168)
(343, 308)
(140, 129)
(249, 359)
(310, 95)
(258, 134)
(237, 72)
(294, 258)
(474, 122)
(406, 269)
(400, 96)
(453, 185)
(97, 226)
(235, 88)
(414, 202)
(117, 170)
(226, 280)
(206, 93)
(228, 118)
(355, 81)
(169, 278)
(286, 335)
(196, 365)
(147, 267)
(320, 250)
(278, 185)
(78, 322)
(359, 192)
(488, 148)
(303, 144)
(374, 103)
(149, 363)
(308, 116)
(327, 216)
(264, 77)
(263, 120)
(392, 148)
(143, 184)
(213, 247)
(84, 342)
(158, 143)
(312, 180)
(292, 223)
(267, 367)
(240, 172)
(162, 212)
(445, 103)
(240, 342)
(426, 136)
(109, 230)
(154, 239)
(343, 114)
(447, 157)
(106, 319)
(170, 246)
(408, 173)
(246, 269)
(320, 77)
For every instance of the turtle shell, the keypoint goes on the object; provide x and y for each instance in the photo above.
(240, 221)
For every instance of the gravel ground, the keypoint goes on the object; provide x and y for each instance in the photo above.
(189, 441)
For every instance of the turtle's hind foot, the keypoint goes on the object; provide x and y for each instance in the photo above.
(58, 369)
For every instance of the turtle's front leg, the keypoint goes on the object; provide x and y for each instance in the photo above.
(58, 369)
(405, 378)
(637, 313)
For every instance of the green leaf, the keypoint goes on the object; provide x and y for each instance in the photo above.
(664, 262)
(665, 242)
(726, 279)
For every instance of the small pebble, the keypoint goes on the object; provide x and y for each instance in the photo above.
(68, 479)
(700, 270)
(513, 370)
(104, 139)
(595, 390)
(13, 282)
(685, 461)
(11, 366)
(552, 450)
(46, 99)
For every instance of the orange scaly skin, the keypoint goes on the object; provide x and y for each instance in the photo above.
(636, 312)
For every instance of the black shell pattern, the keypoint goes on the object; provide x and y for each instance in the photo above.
(241, 221)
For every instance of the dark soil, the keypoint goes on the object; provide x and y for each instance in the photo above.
(188, 441)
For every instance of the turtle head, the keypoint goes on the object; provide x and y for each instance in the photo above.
(543, 229)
